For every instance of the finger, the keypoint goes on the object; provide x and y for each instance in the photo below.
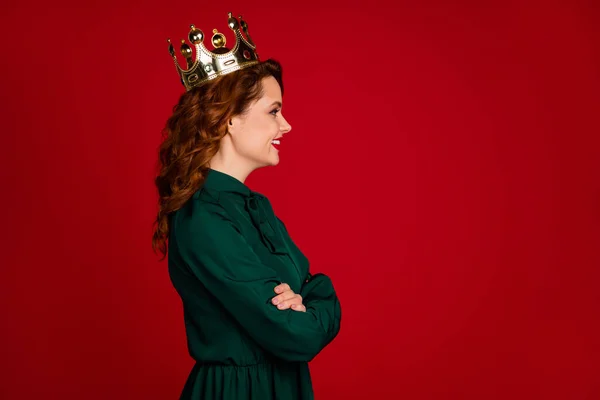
(282, 288)
(299, 307)
(297, 299)
(285, 296)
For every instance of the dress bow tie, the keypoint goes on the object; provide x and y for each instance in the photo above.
(270, 237)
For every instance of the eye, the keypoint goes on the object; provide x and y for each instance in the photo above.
(275, 111)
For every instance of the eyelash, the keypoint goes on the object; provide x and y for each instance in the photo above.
(275, 110)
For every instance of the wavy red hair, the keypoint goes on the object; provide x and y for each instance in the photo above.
(192, 134)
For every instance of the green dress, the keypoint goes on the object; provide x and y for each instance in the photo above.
(227, 252)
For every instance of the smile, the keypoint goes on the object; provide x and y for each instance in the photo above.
(275, 143)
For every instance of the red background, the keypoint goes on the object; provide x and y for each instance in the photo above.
(442, 168)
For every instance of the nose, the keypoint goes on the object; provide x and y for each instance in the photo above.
(284, 126)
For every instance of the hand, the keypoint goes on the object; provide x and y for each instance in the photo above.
(287, 298)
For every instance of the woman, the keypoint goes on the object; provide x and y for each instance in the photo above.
(254, 315)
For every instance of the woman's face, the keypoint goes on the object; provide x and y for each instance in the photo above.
(252, 134)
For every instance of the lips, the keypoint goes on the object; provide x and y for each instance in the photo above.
(276, 143)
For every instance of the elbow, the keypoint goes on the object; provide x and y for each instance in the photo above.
(300, 352)
(305, 349)
(303, 340)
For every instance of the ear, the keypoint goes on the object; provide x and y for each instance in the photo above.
(234, 124)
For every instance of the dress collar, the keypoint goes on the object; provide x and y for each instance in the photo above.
(256, 204)
(222, 182)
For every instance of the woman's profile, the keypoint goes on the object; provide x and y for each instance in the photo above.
(253, 313)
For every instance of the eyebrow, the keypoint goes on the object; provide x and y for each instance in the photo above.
(276, 102)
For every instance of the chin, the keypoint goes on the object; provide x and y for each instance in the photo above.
(269, 163)
(273, 160)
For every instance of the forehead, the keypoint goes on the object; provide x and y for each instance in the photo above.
(271, 90)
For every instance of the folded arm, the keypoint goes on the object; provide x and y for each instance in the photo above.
(217, 253)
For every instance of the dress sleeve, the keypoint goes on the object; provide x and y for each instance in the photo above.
(219, 256)
(324, 283)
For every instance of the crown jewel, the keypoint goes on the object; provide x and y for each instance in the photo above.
(221, 61)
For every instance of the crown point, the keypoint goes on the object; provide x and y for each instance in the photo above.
(218, 39)
(232, 22)
(171, 49)
(196, 35)
(185, 49)
(187, 53)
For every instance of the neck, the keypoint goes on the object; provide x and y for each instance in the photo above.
(230, 166)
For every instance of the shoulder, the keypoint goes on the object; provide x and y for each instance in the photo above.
(201, 214)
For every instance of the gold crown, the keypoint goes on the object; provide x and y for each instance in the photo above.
(221, 61)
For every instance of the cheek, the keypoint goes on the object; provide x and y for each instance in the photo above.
(256, 139)
(258, 133)
(266, 129)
